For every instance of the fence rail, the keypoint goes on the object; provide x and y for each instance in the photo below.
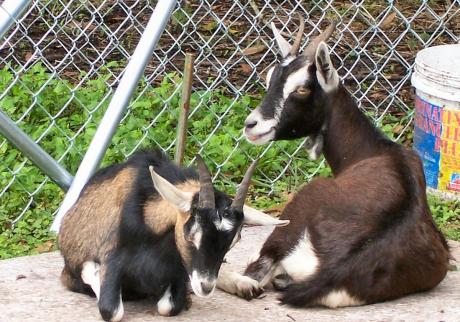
(61, 61)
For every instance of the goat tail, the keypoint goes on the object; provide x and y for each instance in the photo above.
(309, 292)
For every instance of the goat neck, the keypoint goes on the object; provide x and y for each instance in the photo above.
(349, 136)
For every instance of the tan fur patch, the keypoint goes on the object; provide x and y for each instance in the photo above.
(67, 280)
(181, 243)
(97, 214)
(160, 215)
(166, 215)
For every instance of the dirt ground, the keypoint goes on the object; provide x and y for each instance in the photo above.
(30, 291)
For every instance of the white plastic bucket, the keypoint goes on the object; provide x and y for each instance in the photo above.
(436, 79)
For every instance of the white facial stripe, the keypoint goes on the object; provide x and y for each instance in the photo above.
(197, 233)
(278, 109)
(296, 79)
(269, 76)
(288, 60)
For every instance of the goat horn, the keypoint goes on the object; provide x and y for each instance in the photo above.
(238, 201)
(310, 51)
(206, 199)
(298, 38)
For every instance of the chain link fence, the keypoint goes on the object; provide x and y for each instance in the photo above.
(61, 61)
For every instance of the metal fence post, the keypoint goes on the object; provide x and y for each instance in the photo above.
(10, 10)
(34, 152)
(118, 104)
(62, 57)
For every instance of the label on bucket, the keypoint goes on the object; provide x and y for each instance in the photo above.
(437, 141)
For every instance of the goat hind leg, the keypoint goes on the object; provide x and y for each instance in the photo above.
(73, 283)
(90, 276)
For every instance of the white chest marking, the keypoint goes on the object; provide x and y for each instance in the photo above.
(302, 262)
(339, 298)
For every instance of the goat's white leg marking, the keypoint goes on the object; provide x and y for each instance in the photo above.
(339, 298)
(302, 262)
(118, 314)
(165, 305)
(234, 283)
(90, 275)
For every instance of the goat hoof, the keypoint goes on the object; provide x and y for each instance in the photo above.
(281, 282)
(110, 311)
(248, 288)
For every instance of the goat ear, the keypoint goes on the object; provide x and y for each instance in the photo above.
(283, 45)
(255, 217)
(325, 71)
(180, 199)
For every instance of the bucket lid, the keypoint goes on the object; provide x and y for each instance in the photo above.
(437, 71)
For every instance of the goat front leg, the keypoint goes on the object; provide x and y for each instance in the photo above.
(262, 270)
(237, 284)
(174, 299)
(110, 303)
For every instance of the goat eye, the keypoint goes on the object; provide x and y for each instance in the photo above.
(302, 91)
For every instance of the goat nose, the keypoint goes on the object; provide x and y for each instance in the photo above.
(207, 287)
(250, 123)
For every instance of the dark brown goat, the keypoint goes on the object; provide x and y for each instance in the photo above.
(366, 235)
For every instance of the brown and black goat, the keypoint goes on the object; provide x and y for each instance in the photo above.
(128, 238)
(365, 236)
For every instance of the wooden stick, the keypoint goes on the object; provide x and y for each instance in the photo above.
(185, 106)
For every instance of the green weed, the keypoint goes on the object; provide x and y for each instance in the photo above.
(151, 119)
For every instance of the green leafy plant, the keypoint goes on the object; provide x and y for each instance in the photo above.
(38, 99)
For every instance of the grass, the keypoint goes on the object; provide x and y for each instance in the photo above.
(67, 133)
(447, 216)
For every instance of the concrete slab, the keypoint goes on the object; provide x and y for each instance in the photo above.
(30, 291)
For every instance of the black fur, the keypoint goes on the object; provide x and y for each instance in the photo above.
(144, 263)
